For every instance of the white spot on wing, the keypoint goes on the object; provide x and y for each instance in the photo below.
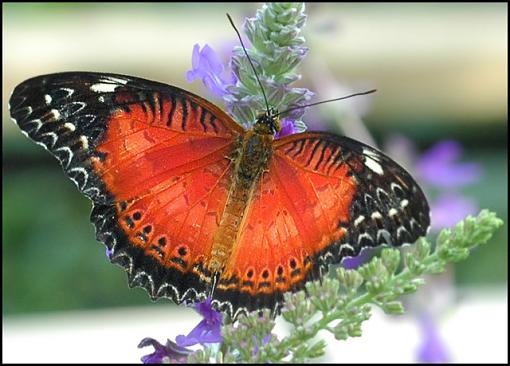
(47, 99)
(372, 154)
(69, 126)
(52, 116)
(376, 215)
(359, 220)
(373, 165)
(103, 88)
(84, 142)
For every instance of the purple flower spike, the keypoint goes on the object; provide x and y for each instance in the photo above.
(450, 208)
(169, 353)
(207, 331)
(437, 166)
(207, 66)
(432, 350)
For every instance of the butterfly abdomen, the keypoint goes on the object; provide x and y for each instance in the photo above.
(252, 160)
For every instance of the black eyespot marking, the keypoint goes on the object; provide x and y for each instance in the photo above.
(250, 273)
(293, 263)
(279, 270)
(129, 222)
(147, 229)
(137, 215)
(265, 274)
(162, 241)
(182, 251)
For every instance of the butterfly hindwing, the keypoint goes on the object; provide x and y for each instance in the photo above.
(154, 159)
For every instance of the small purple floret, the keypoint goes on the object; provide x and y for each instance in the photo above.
(207, 331)
(207, 66)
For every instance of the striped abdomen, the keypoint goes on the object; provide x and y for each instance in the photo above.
(253, 159)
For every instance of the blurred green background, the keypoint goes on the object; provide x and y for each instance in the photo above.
(441, 72)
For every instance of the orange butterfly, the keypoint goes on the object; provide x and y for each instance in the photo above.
(193, 205)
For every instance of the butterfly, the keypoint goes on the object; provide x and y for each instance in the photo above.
(193, 205)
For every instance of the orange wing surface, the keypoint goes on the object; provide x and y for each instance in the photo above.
(323, 198)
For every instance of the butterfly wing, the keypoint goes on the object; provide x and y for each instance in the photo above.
(154, 159)
(323, 198)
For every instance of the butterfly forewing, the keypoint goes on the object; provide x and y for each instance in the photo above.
(155, 160)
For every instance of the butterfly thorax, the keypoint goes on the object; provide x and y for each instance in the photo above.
(252, 159)
(268, 123)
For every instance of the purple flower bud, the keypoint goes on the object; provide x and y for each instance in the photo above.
(207, 66)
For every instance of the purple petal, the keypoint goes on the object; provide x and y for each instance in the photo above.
(195, 57)
(164, 354)
(360, 259)
(211, 60)
(287, 128)
(207, 66)
(208, 330)
(450, 208)
(108, 253)
(206, 310)
(432, 350)
(437, 166)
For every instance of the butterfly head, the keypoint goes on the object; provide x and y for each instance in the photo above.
(268, 123)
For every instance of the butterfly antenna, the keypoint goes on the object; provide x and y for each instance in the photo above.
(251, 63)
(326, 101)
